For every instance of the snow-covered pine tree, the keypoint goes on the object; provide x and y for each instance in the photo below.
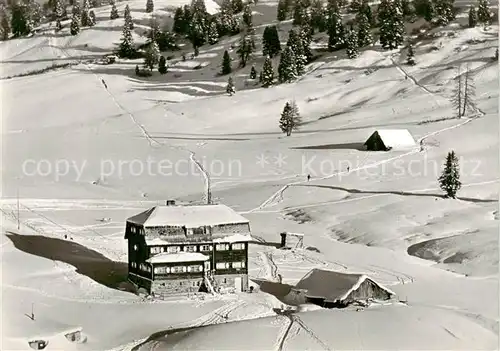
(4, 24)
(318, 18)
(150, 6)
(267, 73)
(424, 9)
(483, 12)
(253, 72)
(472, 17)
(469, 90)
(237, 6)
(213, 34)
(85, 18)
(245, 49)
(352, 44)
(126, 48)
(290, 118)
(58, 25)
(287, 68)
(162, 65)
(19, 20)
(58, 9)
(443, 12)
(336, 35)
(305, 35)
(152, 55)
(114, 12)
(92, 18)
(74, 28)
(271, 45)
(364, 31)
(137, 70)
(391, 24)
(128, 17)
(226, 63)
(449, 181)
(299, 14)
(178, 26)
(410, 56)
(197, 29)
(247, 16)
(230, 87)
(282, 11)
(366, 10)
(354, 6)
(76, 10)
(295, 43)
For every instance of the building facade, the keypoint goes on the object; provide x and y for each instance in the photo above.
(181, 249)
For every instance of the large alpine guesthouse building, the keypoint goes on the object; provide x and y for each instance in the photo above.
(180, 249)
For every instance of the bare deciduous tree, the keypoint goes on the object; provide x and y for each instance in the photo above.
(464, 92)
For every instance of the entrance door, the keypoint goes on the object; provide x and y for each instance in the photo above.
(237, 284)
(207, 267)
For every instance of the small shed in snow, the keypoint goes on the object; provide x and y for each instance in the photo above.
(334, 289)
(390, 139)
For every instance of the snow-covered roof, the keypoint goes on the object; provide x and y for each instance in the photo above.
(332, 286)
(395, 139)
(234, 238)
(188, 216)
(178, 257)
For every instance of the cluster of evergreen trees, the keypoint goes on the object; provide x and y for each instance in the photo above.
(81, 17)
(483, 14)
(19, 18)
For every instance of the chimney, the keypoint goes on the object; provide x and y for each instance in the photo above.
(170, 203)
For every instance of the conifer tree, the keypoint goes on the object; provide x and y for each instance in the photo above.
(352, 44)
(366, 10)
(76, 10)
(237, 6)
(4, 24)
(253, 72)
(92, 18)
(179, 25)
(336, 35)
(299, 14)
(247, 16)
(162, 65)
(137, 70)
(150, 6)
(58, 25)
(85, 18)
(410, 56)
(267, 73)
(290, 118)
(114, 12)
(74, 28)
(152, 56)
(449, 181)
(483, 12)
(318, 18)
(305, 35)
(355, 6)
(19, 20)
(271, 45)
(226, 63)
(443, 12)
(295, 43)
(391, 24)
(230, 87)
(424, 9)
(128, 17)
(126, 48)
(213, 34)
(472, 17)
(496, 54)
(58, 9)
(245, 49)
(287, 68)
(364, 31)
(282, 12)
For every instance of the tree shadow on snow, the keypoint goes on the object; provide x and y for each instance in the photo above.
(87, 262)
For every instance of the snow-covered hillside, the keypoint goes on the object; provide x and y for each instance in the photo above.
(82, 157)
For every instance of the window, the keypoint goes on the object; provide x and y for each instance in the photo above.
(156, 250)
(173, 249)
(238, 264)
(160, 270)
(238, 246)
(167, 270)
(206, 248)
(198, 231)
(194, 269)
(136, 248)
(190, 248)
(134, 265)
(178, 269)
(222, 247)
(132, 230)
(222, 265)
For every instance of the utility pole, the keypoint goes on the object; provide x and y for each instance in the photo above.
(209, 192)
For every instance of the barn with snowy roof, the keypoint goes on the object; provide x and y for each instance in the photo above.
(335, 289)
(175, 249)
(390, 139)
